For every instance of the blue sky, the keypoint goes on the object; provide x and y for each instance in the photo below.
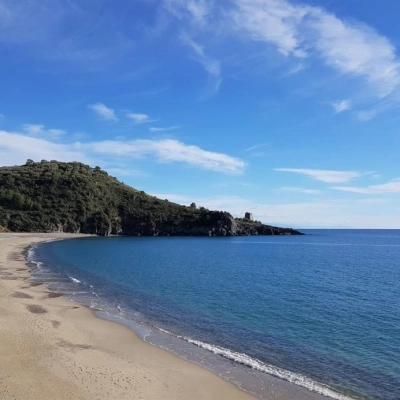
(286, 109)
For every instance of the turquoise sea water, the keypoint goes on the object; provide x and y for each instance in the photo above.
(320, 310)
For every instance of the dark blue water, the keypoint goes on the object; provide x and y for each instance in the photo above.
(321, 310)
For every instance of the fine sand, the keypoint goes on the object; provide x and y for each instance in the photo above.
(52, 348)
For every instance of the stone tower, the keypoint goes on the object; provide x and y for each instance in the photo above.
(248, 216)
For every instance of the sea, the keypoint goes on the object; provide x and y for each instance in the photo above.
(288, 317)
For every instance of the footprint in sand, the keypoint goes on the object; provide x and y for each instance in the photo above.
(56, 324)
(36, 309)
(21, 295)
(53, 295)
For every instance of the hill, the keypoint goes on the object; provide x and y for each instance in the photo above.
(52, 196)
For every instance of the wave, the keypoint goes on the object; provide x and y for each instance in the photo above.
(31, 253)
(258, 365)
(74, 279)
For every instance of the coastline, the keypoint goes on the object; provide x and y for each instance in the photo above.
(54, 348)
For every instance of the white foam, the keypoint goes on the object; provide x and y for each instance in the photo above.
(31, 253)
(74, 279)
(258, 365)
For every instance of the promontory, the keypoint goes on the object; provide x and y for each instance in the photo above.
(52, 196)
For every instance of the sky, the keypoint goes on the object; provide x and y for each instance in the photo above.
(286, 109)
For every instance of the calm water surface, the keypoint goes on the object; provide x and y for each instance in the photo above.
(320, 310)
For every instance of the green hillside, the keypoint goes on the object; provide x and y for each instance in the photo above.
(51, 196)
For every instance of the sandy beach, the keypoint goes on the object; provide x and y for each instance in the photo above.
(52, 348)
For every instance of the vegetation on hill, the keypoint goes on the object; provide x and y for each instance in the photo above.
(51, 196)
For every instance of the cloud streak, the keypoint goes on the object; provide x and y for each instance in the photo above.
(104, 112)
(340, 106)
(139, 118)
(389, 187)
(17, 147)
(167, 151)
(300, 190)
(165, 129)
(40, 130)
(327, 176)
(195, 10)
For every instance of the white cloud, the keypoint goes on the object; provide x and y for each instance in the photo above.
(17, 147)
(56, 132)
(389, 187)
(103, 111)
(366, 115)
(40, 130)
(256, 146)
(272, 21)
(211, 65)
(33, 129)
(298, 31)
(340, 106)
(300, 190)
(196, 10)
(168, 150)
(165, 129)
(355, 49)
(138, 118)
(328, 176)
(197, 13)
(127, 171)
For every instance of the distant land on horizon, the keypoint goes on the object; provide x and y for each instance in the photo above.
(52, 196)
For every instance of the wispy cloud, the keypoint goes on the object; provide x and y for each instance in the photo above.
(128, 172)
(305, 35)
(275, 22)
(300, 190)
(2, 116)
(165, 129)
(301, 30)
(104, 112)
(41, 130)
(195, 10)
(327, 176)
(340, 106)
(355, 49)
(139, 118)
(211, 65)
(167, 151)
(257, 146)
(366, 115)
(390, 187)
(17, 147)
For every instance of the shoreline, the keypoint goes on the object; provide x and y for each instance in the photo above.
(52, 347)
